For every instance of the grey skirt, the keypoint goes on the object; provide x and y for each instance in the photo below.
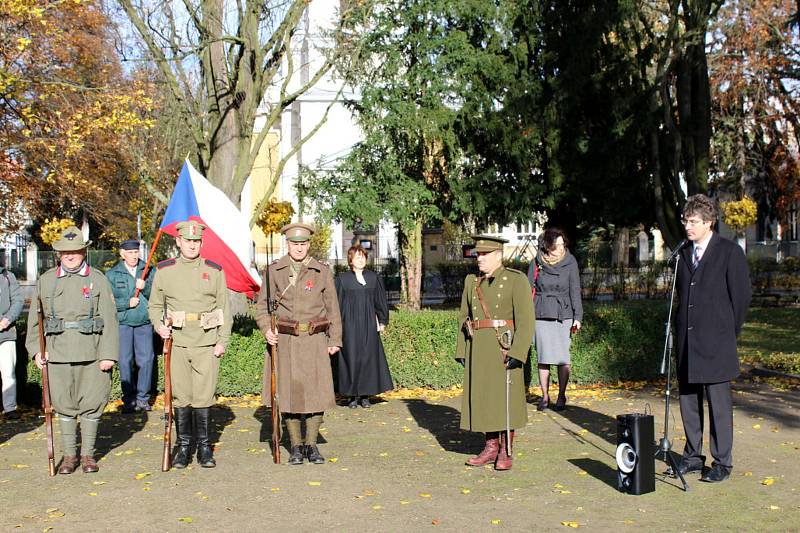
(552, 341)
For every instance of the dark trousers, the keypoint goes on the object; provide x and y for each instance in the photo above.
(720, 414)
(135, 345)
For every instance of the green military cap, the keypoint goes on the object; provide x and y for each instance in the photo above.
(190, 230)
(488, 243)
(297, 232)
(71, 240)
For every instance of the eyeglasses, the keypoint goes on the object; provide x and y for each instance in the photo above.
(692, 222)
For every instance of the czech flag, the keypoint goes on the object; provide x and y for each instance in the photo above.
(226, 239)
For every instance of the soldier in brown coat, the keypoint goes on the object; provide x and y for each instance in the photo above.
(309, 332)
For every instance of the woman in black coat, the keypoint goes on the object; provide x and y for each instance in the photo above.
(559, 311)
(362, 366)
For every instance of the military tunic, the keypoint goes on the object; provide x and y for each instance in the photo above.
(508, 297)
(192, 288)
(77, 385)
(305, 380)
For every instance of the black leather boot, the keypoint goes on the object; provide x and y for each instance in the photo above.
(183, 428)
(313, 455)
(205, 453)
(298, 454)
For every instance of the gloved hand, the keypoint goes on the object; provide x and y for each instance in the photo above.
(461, 362)
(512, 363)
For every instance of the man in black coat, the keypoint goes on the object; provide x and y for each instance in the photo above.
(714, 291)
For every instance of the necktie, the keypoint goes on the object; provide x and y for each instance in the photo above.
(696, 257)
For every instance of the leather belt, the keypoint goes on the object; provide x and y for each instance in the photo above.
(193, 316)
(303, 327)
(487, 323)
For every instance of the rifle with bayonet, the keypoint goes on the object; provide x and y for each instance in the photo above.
(272, 307)
(47, 407)
(166, 458)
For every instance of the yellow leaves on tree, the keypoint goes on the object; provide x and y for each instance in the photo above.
(68, 111)
(739, 214)
(275, 216)
(51, 229)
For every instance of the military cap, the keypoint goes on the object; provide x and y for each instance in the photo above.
(297, 232)
(488, 243)
(71, 240)
(129, 244)
(191, 230)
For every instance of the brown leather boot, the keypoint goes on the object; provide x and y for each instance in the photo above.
(68, 464)
(89, 464)
(503, 458)
(489, 453)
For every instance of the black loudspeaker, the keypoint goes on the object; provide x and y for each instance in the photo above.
(636, 460)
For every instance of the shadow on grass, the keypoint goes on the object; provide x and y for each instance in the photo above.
(442, 422)
(30, 420)
(598, 470)
(115, 430)
(762, 400)
(599, 424)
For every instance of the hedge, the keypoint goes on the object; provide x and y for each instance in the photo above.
(619, 341)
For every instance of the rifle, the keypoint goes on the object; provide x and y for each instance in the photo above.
(47, 407)
(166, 458)
(272, 307)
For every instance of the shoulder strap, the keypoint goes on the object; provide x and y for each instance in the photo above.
(479, 292)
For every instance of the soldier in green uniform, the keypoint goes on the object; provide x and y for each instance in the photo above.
(497, 323)
(309, 331)
(82, 339)
(194, 294)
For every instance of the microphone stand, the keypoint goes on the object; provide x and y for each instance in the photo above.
(664, 451)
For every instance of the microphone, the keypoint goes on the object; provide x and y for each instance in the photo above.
(677, 250)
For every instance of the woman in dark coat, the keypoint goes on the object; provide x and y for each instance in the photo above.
(362, 367)
(559, 312)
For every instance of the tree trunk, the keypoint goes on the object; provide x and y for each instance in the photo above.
(409, 240)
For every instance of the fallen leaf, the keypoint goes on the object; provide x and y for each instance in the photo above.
(55, 514)
(92, 494)
(333, 459)
(142, 475)
(186, 519)
(465, 491)
(570, 524)
(424, 495)
(748, 474)
(314, 483)
(51, 510)
(377, 507)
(774, 508)
(98, 482)
(20, 466)
(496, 522)
(435, 522)
(275, 489)
(768, 481)
(756, 426)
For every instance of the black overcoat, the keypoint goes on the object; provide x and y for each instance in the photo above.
(713, 303)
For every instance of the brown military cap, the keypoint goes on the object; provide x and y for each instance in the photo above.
(488, 243)
(190, 230)
(71, 240)
(297, 232)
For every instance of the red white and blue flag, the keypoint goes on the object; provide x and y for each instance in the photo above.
(226, 239)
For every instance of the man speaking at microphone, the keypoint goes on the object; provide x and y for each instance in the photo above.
(713, 284)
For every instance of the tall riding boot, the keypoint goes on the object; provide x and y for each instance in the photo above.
(205, 453)
(504, 458)
(293, 427)
(69, 439)
(88, 438)
(183, 429)
(489, 453)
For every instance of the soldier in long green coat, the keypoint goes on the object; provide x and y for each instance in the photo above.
(194, 293)
(82, 345)
(493, 345)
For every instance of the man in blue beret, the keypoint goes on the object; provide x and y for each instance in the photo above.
(135, 331)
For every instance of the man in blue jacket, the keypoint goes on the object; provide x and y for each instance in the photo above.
(11, 301)
(135, 330)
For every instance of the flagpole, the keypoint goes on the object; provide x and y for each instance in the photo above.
(149, 260)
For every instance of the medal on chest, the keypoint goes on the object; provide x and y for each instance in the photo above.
(309, 285)
(87, 291)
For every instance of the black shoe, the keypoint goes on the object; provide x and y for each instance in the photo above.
(561, 404)
(716, 474)
(543, 404)
(298, 454)
(12, 415)
(128, 409)
(313, 455)
(353, 403)
(365, 403)
(686, 467)
(181, 457)
(205, 456)
(143, 406)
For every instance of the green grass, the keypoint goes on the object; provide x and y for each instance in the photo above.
(771, 337)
